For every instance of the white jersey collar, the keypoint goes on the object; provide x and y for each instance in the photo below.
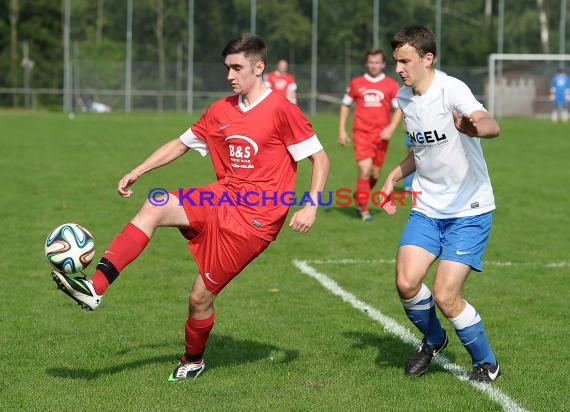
(376, 79)
(245, 108)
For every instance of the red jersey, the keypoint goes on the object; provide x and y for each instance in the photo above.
(374, 99)
(281, 83)
(254, 151)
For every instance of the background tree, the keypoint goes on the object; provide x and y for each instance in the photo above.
(14, 17)
(543, 22)
(469, 34)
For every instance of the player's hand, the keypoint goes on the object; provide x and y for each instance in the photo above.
(125, 183)
(343, 138)
(465, 124)
(386, 134)
(388, 206)
(303, 219)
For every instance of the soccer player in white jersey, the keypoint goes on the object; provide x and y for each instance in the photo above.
(451, 220)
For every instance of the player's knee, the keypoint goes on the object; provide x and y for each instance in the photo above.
(446, 301)
(199, 300)
(365, 173)
(407, 286)
(150, 213)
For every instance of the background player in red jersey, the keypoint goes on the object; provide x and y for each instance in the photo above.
(255, 139)
(282, 82)
(376, 115)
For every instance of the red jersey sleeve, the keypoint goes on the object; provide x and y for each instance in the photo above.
(202, 125)
(394, 92)
(352, 89)
(298, 134)
(294, 125)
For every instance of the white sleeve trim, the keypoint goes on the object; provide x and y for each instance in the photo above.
(306, 148)
(347, 100)
(193, 142)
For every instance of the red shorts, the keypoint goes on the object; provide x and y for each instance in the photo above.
(221, 247)
(369, 145)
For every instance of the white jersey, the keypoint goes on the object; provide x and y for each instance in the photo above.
(451, 172)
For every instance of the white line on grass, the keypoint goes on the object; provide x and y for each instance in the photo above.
(548, 265)
(394, 328)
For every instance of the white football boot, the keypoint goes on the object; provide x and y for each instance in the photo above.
(78, 288)
(186, 371)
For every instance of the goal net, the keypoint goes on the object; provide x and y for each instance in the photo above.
(519, 84)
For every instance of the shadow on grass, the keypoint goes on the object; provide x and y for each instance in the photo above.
(391, 351)
(221, 351)
(349, 211)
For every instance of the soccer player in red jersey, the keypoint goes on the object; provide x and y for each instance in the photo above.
(376, 115)
(282, 82)
(255, 139)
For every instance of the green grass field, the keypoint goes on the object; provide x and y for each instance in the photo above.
(282, 341)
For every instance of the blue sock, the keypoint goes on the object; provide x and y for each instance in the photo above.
(408, 181)
(469, 328)
(421, 311)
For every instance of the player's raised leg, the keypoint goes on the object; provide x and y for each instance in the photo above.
(412, 264)
(124, 249)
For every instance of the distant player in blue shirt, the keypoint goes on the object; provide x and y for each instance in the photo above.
(559, 94)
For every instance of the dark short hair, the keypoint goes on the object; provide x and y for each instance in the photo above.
(419, 37)
(374, 52)
(250, 45)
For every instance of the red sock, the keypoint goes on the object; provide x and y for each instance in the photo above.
(197, 332)
(124, 248)
(362, 194)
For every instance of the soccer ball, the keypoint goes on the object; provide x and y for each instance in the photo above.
(70, 248)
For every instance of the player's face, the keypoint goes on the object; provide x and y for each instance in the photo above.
(375, 64)
(242, 75)
(282, 66)
(412, 68)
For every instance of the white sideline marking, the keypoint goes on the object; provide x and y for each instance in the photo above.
(394, 328)
(548, 265)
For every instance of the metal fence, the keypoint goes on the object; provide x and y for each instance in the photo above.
(523, 90)
(104, 81)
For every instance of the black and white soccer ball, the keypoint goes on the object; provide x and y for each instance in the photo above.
(70, 248)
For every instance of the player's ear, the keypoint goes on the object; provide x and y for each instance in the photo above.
(429, 59)
(259, 68)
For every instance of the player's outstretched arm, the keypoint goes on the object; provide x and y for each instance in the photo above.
(165, 154)
(477, 124)
(303, 219)
(406, 167)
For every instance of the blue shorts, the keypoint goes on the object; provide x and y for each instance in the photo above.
(460, 239)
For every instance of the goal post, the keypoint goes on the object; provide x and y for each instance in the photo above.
(507, 77)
